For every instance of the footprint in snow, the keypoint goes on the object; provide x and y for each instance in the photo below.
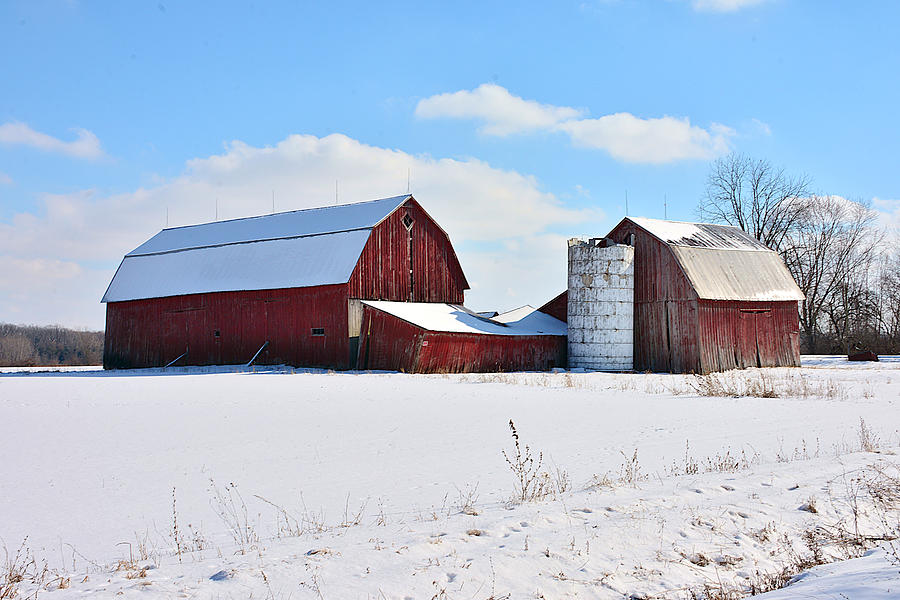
(728, 488)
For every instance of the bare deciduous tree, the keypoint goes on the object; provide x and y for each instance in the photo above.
(829, 253)
(30, 345)
(756, 196)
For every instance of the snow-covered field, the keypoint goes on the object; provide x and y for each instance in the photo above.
(308, 484)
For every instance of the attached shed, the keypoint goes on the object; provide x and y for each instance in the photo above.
(448, 338)
(290, 284)
(708, 298)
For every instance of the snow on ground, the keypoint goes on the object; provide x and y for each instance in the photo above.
(91, 459)
(875, 576)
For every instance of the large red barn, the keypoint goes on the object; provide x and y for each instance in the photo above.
(706, 298)
(290, 284)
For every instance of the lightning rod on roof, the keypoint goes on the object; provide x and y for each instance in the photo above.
(626, 203)
(167, 216)
(407, 179)
(217, 208)
(273, 202)
(665, 206)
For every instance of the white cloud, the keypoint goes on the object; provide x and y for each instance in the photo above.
(481, 207)
(623, 135)
(723, 6)
(502, 113)
(49, 291)
(5, 179)
(20, 134)
(762, 126)
(661, 140)
(888, 216)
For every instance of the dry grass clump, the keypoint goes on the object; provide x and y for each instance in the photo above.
(22, 568)
(532, 482)
(630, 473)
(721, 462)
(868, 440)
(757, 383)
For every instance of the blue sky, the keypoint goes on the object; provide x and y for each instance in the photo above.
(521, 124)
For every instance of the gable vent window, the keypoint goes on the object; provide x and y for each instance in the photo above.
(407, 222)
(318, 331)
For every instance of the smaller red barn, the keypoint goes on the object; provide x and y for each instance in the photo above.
(448, 338)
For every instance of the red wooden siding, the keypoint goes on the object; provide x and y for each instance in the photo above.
(383, 270)
(558, 307)
(665, 306)
(153, 332)
(389, 343)
(735, 335)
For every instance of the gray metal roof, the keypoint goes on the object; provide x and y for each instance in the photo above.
(699, 235)
(310, 221)
(724, 263)
(302, 248)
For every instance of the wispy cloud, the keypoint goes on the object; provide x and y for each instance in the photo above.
(762, 127)
(723, 6)
(86, 145)
(5, 179)
(623, 135)
(501, 112)
(888, 216)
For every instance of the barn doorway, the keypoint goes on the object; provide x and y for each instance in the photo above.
(758, 337)
(354, 322)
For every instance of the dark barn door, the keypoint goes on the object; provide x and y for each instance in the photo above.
(756, 341)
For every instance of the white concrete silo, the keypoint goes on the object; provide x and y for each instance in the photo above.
(601, 305)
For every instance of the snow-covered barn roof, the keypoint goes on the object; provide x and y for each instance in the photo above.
(316, 246)
(723, 262)
(453, 318)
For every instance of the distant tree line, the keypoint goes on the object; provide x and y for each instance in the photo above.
(30, 345)
(845, 264)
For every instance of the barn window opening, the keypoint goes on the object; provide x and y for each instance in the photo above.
(407, 222)
(216, 333)
(318, 331)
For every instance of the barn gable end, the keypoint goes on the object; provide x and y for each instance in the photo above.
(408, 258)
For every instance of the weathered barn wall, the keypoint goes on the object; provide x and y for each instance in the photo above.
(408, 265)
(153, 332)
(601, 306)
(736, 335)
(390, 343)
(665, 306)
